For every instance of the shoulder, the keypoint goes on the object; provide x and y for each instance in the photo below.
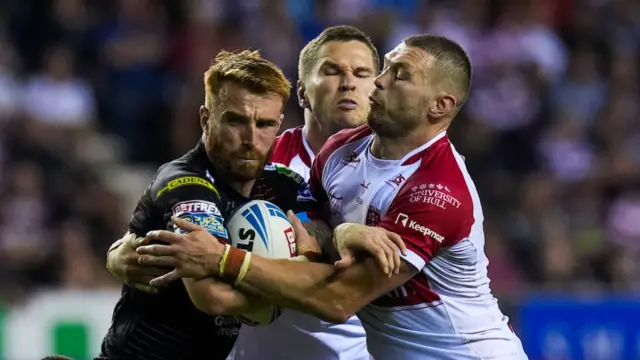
(181, 173)
(287, 145)
(440, 189)
(341, 139)
(279, 172)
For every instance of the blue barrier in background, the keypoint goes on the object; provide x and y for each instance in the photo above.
(567, 328)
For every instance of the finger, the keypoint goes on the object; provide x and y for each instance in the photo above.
(346, 260)
(397, 239)
(157, 250)
(379, 254)
(129, 239)
(296, 223)
(140, 241)
(158, 261)
(164, 236)
(146, 288)
(144, 274)
(165, 279)
(185, 225)
(391, 252)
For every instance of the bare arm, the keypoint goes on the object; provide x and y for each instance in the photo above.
(319, 289)
(214, 297)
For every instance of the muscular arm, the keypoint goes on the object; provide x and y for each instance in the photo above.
(218, 298)
(319, 289)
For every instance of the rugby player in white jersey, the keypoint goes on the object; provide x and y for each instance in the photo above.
(401, 174)
(336, 72)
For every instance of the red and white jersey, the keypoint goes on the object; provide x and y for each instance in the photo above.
(292, 149)
(447, 310)
(296, 335)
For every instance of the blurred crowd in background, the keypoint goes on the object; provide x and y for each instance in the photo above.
(92, 92)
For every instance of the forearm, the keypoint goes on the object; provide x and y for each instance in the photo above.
(313, 288)
(216, 298)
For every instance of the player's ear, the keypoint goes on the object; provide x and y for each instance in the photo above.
(280, 121)
(302, 95)
(204, 119)
(442, 105)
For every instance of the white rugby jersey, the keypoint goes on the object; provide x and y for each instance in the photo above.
(447, 310)
(298, 336)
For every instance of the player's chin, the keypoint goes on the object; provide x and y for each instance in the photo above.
(246, 171)
(350, 119)
(381, 124)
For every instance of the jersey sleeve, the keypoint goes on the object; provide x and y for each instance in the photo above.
(190, 197)
(426, 227)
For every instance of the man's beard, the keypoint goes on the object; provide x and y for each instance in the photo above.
(237, 170)
(383, 125)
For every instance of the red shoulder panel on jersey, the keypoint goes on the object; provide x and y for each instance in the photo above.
(434, 208)
(289, 145)
(333, 143)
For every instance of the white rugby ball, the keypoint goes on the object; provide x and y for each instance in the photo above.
(262, 228)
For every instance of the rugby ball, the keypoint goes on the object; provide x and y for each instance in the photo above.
(262, 228)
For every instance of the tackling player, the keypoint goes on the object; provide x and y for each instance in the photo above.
(336, 72)
(399, 173)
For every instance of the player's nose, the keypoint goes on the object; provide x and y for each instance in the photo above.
(378, 83)
(347, 82)
(249, 133)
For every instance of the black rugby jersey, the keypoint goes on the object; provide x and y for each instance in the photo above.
(167, 326)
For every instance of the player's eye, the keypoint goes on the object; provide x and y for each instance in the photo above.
(234, 120)
(266, 124)
(331, 70)
(363, 73)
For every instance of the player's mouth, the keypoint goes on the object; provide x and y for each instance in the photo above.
(347, 104)
(373, 101)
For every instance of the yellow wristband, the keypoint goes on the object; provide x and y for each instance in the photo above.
(300, 258)
(223, 261)
(243, 269)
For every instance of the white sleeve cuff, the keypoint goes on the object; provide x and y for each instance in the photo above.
(413, 259)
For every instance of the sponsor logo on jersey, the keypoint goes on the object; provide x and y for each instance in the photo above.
(413, 225)
(228, 326)
(286, 171)
(395, 181)
(434, 194)
(304, 193)
(196, 206)
(335, 203)
(255, 218)
(373, 216)
(202, 213)
(351, 160)
(184, 181)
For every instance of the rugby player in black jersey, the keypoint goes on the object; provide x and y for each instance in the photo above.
(245, 97)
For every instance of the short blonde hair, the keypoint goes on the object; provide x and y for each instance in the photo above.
(248, 69)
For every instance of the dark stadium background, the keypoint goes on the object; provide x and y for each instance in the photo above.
(95, 94)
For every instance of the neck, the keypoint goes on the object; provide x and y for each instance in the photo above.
(313, 132)
(395, 148)
(242, 187)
